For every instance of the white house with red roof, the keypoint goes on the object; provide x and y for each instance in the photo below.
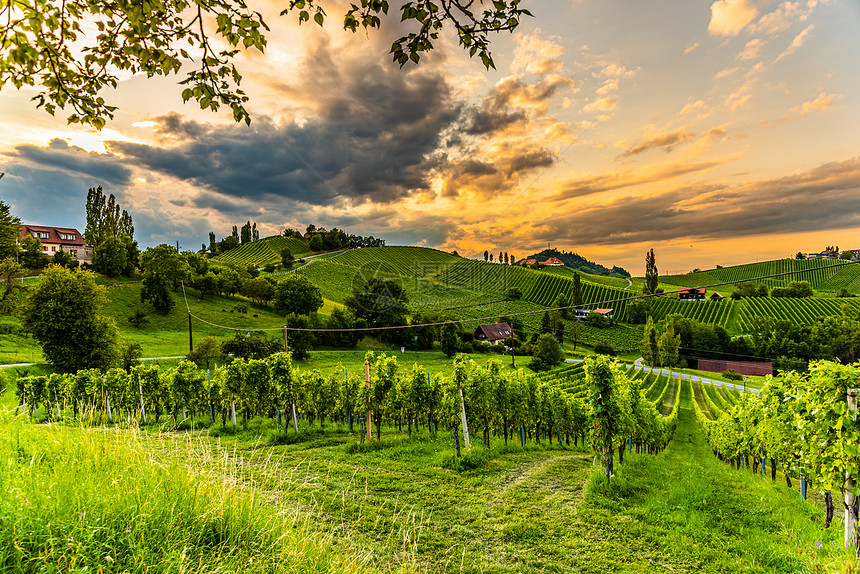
(54, 239)
(553, 262)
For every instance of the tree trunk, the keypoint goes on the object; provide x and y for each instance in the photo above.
(378, 418)
(787, 480)
(772, 469)
(409, 425)
(621, 453)
(828, 508)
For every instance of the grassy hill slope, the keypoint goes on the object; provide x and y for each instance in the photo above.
(816, 271)
(264, 251)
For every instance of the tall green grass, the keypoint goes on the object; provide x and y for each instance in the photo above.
(108, 500)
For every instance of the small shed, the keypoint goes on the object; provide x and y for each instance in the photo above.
(494, 332)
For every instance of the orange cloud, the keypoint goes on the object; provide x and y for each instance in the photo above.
(751, 50)
(667, 142)
(797, 43)
(602, 105)
(729, 17)
(822, 102)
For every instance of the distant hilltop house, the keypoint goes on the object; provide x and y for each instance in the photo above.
(823, 255)
(582, 314)
(692, 294)
(53, 239)
(552, 262)
(494, 333)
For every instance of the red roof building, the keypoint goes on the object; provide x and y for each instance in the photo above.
(528, 262)
(494, 332)
(55, 238)
(693, 294)
(552, 261)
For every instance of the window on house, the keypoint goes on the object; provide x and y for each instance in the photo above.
(43, 235)
(53, 248)
(44, 248)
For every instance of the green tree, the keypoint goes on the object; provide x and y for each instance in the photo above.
(297, 295)
(449, 340)
(648, 345)
(33, 256)
(9, 232)
(259, 290)
(9, 270)
(74, 74)
(576, 291)
(316, 243)
(157, 291)
(301, 342)
(651, 276)
(562, 302)
(62, 314)
(254, 345)
(547, 353)
(167, 264)
(667, 346)
(287, 257)
(110, 257)
(205, 351)
(105, 218)
(64, 259)
(245, 235)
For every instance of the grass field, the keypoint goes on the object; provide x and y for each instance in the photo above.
(110, 499)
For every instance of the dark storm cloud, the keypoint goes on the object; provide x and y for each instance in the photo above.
(47, 196)
(59, 155)
(826, 197)
(370, 135)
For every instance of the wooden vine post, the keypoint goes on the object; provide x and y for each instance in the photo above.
(367, 394)
(466, 441)
(849, 499)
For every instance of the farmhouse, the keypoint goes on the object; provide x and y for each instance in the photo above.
(494, 333)
(692, 294)
(553, 262)
(528, 262)
(54, 239)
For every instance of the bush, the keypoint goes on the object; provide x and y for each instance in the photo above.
(733, 375)
(514, 294)
(603, 348)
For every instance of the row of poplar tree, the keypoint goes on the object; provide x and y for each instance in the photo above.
(606, 407)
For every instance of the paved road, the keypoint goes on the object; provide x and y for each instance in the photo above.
(639, 365)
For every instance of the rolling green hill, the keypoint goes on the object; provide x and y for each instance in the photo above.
(816, 271)
(264, 251)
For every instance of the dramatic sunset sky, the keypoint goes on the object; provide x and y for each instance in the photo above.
(716, 133)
